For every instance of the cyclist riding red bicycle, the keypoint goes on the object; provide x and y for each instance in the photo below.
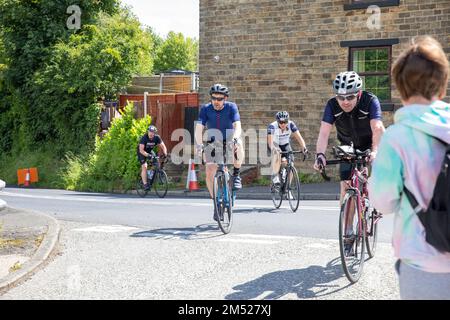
(357, 116)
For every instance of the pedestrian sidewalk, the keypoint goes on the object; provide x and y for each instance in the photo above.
(27, 239)
(311, 191)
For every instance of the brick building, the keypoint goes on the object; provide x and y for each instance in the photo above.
(284, 54)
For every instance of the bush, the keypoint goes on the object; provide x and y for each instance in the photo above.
(113, 165)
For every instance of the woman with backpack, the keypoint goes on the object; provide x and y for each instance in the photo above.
(410, 159)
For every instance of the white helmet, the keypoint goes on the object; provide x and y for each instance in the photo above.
(347, 82)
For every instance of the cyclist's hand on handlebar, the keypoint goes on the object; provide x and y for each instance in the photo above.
(321, 162)
(305, 153)
(372, 156)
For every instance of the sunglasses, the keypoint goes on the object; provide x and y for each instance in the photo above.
(217, 98)
(350, 97)
(282, 122)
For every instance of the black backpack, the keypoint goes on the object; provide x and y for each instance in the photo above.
(436, 219)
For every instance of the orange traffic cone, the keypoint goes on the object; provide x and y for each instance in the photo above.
(27, 178)
(192, 178)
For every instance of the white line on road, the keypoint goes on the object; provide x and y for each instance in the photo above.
(247, 241)
(150, 201)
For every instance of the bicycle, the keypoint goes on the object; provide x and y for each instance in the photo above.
(289, 183)
(156, 177)
(356, 202)
(223, 194)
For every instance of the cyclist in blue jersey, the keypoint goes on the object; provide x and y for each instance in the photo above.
(222, 121)
(278, 139)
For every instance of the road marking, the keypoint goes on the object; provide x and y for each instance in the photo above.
(150, 201)
(106, 229)
(254, 241)
(247, 235)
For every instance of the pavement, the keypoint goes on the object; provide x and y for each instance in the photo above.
(29, 238)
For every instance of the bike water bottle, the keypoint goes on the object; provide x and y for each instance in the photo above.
(283, 174)
(150, 174)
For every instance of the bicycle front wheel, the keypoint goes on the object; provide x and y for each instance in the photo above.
(222, 203)
(293, 189)
(372, 229)
(276, 194)
(160, 183)
(351, 237)
(140, 187)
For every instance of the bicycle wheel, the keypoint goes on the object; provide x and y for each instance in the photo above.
(160, 183)
(276, 194)
(222, 203)
(372, 231)
(293, 189)
(140, 187)
(351, 239)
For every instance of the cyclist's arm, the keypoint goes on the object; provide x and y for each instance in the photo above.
(377, 131)
(198, 135)
(237, 129)
(164, 148)
(324, 134)
(142, 150)
(300, 139)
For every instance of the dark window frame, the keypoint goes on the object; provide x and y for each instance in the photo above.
(364, 5)
(386, 105)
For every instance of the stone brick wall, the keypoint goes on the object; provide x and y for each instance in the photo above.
(283, 55)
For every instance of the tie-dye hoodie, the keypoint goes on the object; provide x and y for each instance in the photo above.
(408, 155)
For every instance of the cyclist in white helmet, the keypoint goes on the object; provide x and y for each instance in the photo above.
(278, 139)
(357, 116)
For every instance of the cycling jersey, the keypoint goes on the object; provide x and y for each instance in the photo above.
(279, 137)
(222, 120)
(148, 143)
(354, 126)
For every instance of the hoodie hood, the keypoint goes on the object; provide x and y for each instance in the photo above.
(433, 119)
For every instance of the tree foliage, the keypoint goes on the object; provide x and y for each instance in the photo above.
(177, 52)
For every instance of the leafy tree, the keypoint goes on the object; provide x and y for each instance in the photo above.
(177, 52)
(56, 83)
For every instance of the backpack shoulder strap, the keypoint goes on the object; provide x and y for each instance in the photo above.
(412, 200)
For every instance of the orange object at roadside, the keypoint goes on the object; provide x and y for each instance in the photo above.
(27, 176)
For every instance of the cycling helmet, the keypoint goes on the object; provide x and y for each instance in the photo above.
(218, 88)
(347, 82)
(282, 116)
(152, 128)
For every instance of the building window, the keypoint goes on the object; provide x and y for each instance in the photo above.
(373, 64)
(364, 4)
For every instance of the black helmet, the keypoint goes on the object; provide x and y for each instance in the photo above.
(218, 88)
(152, 128)
(282, 116)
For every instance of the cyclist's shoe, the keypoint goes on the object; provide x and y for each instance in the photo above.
(147, 187)
(237, 183)
(276, 183)
(348, 245)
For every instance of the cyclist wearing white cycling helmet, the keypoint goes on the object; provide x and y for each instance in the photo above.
(223, 123)
(147, 144)
(357, 116)
(278, 139)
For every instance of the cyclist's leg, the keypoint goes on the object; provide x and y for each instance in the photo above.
(210, 167)
(275, 164)
(345, 172)
(237, 163)
(143, 164)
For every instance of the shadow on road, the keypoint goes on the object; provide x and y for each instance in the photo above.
(199, 232)
(307, 283)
